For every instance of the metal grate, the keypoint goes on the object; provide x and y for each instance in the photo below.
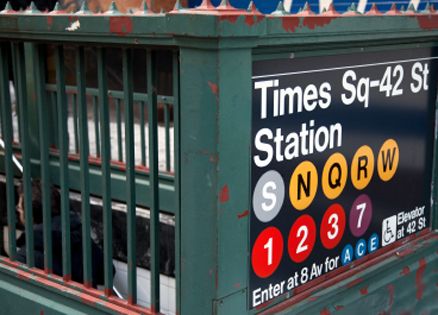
(65, 116)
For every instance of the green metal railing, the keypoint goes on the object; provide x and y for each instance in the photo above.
(72, 104)
(117, 102)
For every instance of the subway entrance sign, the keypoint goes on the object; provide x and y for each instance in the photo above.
(342, 151)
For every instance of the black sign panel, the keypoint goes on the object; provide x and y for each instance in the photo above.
(341, 162)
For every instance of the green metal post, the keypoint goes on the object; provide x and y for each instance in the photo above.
(20, 76)
(32, 110)
(216, 171)
(153, 177)
(63, 157)
(84, 153)
(130, 174)
(40, 83)
(177, 177)
(6, 115)
(106, 170)
(198, 173)
(233, 182)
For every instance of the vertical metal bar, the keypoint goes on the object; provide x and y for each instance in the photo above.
(167, 135)
(75, 121)
(106, 171)
(5, 103)
(119, 130)
(20, 76)
(176, 157)
(84, 176)
(40, 81)
(142, 134)
(17, 108)
(130, 175)
(153, 178)
(63, 156)
(54, 112)
(96, 126)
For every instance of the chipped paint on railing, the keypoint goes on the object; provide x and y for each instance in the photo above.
(124, 24)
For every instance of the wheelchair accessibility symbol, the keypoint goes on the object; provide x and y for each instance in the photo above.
(389, 230)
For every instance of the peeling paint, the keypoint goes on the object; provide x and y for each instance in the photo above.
(391, 291)
(120, 25)
(108, 291)
(405, 271)
(404, 252)
(213, 87)
(232, 18)
(364, 290)
(49, 21)
(419, 279)
(311, 22)
(243, 214)
(339, 307)
(313, 298)
(427, 22)
(74, 26)
(224, 195)
(354, 283)
(290, 23)
(251, 20)
(325, 311)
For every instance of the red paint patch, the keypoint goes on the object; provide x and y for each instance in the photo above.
(391, 290)
(405, 252)
(339, 307)
(47, 271)
(108, 291)
(230, 18)
(313, 298)
(22, 275)
(42, 312)
(354, 283)
(324, 311)
(419, 279)
(120, 25)
(86, 298)
(427, 22)
(250, 20)
(311, 22)
(237, 285)
(243, 214)
(224, 195)
(49, 21)
(290, 23)
(364, 291)
(405, 271)
(213, 87)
